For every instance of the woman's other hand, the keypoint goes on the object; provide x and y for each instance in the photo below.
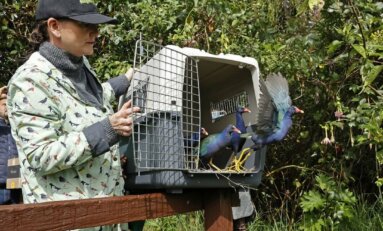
(122, 121)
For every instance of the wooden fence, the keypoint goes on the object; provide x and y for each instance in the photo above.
(66, 215)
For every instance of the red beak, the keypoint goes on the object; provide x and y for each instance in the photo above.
(204, 132)
(297, 110)
(235, 129)
(246, 110)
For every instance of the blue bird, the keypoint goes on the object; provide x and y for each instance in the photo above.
(195, 138)
(274, 116)
(275, 111)
(278, 134)
(212, 144)
(236, 141)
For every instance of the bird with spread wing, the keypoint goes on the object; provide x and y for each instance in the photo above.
(274, 116)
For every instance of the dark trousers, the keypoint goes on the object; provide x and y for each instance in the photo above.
(10, 196)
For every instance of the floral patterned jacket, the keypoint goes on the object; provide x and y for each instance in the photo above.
(47, 117)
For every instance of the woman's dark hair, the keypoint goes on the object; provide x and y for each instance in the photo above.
(39, 35)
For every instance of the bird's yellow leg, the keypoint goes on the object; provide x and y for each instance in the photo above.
(246, 156)
(196, 162)
(238, 166)
(235, 162)
(232, 164)
(241, 162)
(233, 159)
(243, 153)
(242, 158)
(213, 165)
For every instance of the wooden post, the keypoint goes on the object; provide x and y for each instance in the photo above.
(218, 214)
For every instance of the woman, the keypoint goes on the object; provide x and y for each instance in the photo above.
(61, 116)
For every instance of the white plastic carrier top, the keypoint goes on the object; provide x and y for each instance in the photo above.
(242, 62)
(167, 68)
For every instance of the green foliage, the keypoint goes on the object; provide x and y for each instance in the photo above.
(331, 52)
(311, 201)
(328, 206)
(15, 26)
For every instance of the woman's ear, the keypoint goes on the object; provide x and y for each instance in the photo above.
(53, 26)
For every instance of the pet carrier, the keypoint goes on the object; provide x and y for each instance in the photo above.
(180, 90)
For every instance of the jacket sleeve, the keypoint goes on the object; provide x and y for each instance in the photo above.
(120, 85)
(36, 119)
(114, 87)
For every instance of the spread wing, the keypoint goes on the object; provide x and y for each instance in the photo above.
(266, 114)
(278, 88)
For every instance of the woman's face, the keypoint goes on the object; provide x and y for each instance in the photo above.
(3, 109)
(77, 38)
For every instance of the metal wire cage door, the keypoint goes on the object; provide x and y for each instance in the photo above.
(166, 131)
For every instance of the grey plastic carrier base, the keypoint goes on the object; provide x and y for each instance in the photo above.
(183, 180)
(201, 178)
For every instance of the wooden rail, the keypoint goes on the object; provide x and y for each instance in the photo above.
(66, 215)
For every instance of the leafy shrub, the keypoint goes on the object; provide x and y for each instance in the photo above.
(327, 206)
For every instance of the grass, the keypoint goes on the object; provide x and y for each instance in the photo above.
(368, 217)
(194, 222)
(184, 222)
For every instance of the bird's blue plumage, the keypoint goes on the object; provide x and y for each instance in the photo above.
(195, 138)
(215, 142)
(278, 134)
(236, 141)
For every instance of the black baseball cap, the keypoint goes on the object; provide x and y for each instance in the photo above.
(78, 10)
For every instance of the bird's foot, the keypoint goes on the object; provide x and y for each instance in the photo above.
(213, 166)
(232, 165)
(248, 154)
(239, 163)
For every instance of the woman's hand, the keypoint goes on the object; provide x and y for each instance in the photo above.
(122, 121)
(129, 74)
(3, 92)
